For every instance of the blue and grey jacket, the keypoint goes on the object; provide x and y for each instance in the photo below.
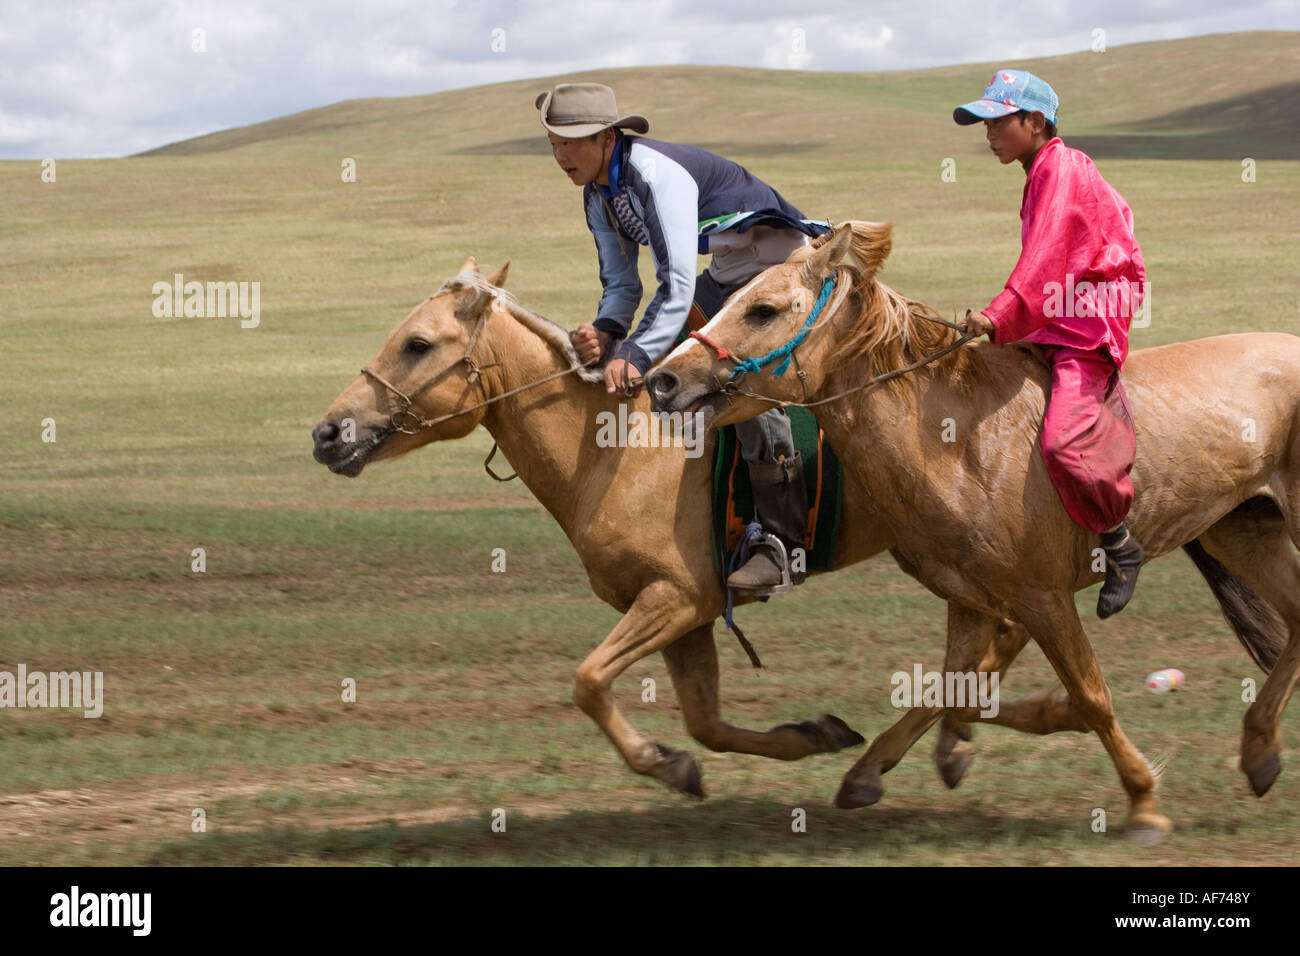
(671, 198)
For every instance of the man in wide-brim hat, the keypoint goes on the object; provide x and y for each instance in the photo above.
(680, 201)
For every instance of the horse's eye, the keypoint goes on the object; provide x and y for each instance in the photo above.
(417, 346)
(764, 311)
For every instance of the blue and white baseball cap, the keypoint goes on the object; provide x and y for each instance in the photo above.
(1008, 92)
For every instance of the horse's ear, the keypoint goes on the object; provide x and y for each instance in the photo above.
(471, 266)
(498, 278)
(871, 244)
(819, 265)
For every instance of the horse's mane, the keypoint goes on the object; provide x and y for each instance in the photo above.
(887, 330)
(555, 335)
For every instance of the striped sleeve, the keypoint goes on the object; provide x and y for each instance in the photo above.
(670, 198)
(618, 273)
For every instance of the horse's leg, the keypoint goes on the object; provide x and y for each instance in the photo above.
(1054, 624)
(1254, 545)
(970, 636)
(1048, 711)
(659, 615)
(693, 665)
(952, 751)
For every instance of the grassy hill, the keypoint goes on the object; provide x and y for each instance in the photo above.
(1217, 96)
(223, 687)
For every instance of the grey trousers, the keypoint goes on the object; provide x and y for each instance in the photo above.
(767, 437)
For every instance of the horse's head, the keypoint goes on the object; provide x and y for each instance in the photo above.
(426, 369)
(771, 311)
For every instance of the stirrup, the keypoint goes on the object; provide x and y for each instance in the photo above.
(783, 559)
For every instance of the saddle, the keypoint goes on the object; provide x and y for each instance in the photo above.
(733, 496)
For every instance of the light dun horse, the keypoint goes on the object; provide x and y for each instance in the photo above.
(638, 517)
(978, 521)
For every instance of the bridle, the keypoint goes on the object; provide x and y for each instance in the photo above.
(786, 353)
(405, 420)
(406, 403)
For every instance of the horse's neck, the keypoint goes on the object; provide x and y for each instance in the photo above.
(847, 422)
(901, 424)
(540, 429)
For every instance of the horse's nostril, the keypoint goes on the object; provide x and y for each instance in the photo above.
(325, 433)
(665, 383)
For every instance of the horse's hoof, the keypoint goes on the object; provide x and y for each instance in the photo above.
(962, 731)
(1262, 777)
(679, 770)
(1148, 830)
(827, 732)
(854, 797)
(954, 768)
(840, 734)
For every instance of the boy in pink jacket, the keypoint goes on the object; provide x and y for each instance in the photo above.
(1074, 291)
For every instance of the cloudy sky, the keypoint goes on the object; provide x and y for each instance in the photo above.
(93, 78)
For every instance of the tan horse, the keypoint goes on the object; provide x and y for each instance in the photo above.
(977, 519)
(638, 517)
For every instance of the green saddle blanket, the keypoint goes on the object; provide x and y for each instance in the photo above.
(733, 497)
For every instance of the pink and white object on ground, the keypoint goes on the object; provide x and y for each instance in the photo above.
(1161, 682)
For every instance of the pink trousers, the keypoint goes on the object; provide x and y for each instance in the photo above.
(1088, 441)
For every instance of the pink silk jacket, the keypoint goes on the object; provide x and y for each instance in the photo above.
(1080, 277)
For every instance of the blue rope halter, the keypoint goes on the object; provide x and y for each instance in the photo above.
(783, 352)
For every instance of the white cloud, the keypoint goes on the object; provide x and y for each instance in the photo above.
(93, 78)
(861, 41)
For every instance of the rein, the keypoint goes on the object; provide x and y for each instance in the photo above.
(786, 352)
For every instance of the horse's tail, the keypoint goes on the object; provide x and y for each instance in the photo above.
(1257, 625)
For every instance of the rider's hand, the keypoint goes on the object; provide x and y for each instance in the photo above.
(615, 373)
(590, 343)
(977, 322)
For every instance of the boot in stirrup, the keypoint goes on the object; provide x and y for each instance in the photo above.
(781, 501)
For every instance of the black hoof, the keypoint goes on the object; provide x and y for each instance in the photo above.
(1262, 777)
(827, 732)
(679, 770)
(955, 768)
(856, 797)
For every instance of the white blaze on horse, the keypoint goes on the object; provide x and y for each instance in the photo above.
(977, 519)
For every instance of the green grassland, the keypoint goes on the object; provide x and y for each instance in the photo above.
(223, 688)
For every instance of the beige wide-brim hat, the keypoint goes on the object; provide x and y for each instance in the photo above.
(573, 110)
